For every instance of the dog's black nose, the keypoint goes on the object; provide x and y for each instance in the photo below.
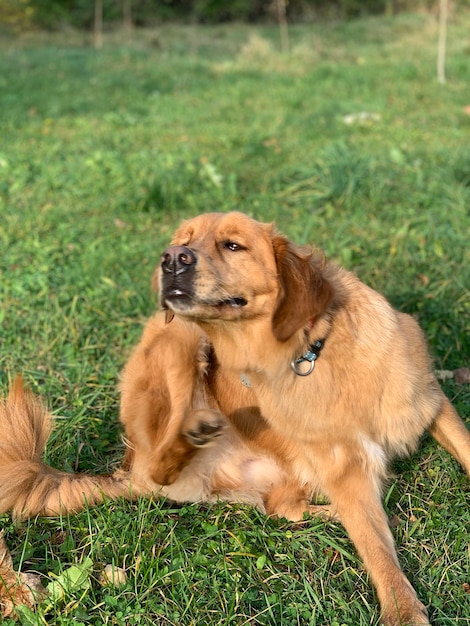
(177, 259)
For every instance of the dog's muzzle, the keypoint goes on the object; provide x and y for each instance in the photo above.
(177, 260)
(177, 265)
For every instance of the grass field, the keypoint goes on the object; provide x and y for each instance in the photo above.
(101, 155)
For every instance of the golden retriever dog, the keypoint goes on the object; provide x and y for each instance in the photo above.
(179, 445)
(342, 379)
(281, 377)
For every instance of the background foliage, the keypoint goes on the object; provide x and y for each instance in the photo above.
(55, 14)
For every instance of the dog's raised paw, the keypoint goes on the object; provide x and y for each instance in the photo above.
(202, 427)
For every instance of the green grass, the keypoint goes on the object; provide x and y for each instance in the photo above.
(101, 155)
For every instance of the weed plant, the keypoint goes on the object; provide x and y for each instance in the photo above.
(348, 143)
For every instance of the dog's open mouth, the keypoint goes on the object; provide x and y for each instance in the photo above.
(235, 303)
(179, 297)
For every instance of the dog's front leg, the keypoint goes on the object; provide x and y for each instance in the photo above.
(355, 496)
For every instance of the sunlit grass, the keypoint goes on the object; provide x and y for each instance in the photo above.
(102, 154)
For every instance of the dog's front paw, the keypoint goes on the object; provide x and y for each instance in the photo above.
(410, 612)
(202, 427)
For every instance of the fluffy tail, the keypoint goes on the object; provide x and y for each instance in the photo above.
(29, 487)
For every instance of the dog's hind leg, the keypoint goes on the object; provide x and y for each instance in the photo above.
(200, 428)
(288, 499)
(449, 430)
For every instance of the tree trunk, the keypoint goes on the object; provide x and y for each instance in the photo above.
(281, 10)
(441, 47)
(127, 15)
(98, 25)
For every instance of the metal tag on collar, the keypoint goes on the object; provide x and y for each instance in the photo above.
(310, 357)
(245, 380)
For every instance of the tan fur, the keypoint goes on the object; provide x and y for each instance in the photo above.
(28, 486)
(262, 300)
(164, 400)
(179, 444)
(287, 438)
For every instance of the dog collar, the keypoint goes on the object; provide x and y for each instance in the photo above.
(310, 356)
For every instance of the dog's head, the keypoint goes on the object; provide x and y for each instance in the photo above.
(230, 267)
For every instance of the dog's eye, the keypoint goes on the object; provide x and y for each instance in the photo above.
(233, 246)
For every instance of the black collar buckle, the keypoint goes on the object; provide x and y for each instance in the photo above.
(310, 356)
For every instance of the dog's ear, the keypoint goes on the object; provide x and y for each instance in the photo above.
(304, 294)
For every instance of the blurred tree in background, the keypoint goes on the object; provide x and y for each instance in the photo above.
(55, 14)
(17, 14)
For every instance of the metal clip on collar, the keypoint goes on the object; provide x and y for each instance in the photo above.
(310, 356)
